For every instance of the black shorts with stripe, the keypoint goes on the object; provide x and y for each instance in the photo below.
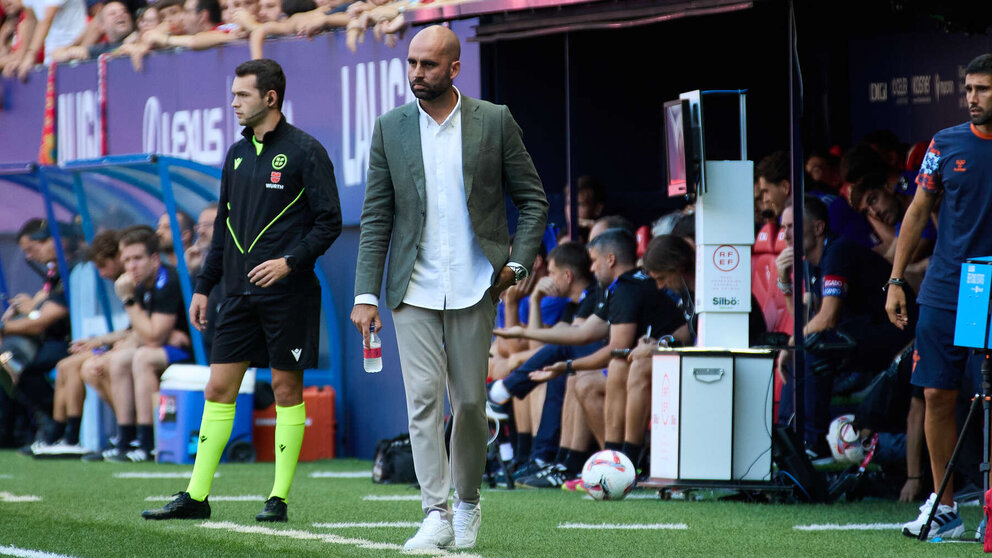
(280, 331)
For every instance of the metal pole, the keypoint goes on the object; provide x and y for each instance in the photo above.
(53, 229)
(89, 232)
(573, 188)
(795, 115)
(743, 98)
(168, 196)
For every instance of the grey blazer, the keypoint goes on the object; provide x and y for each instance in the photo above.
(495, 163)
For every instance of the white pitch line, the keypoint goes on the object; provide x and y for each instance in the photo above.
(392, 498)
(626, 526)
(249, 498)
(381, 524)
(328, 538)
(14, 499)
(340, 474)
(848, 527)
(6, 476)
(27, 553)
(184, 475)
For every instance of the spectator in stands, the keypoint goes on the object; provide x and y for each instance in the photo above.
(60, 22)
(201, 28)
(850, 330)
(18, 24)
(166, 248)
(241, 16)
(116, 24)
(299, 17)
(149, 290)
(34, 330)
(877, 197)
(70, 391)
(147, 19)
(170, 14)
(269, 10)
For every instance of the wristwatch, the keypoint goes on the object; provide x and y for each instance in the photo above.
(290, 261)
(519, 271)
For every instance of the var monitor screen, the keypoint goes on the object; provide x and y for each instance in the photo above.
(678, 149)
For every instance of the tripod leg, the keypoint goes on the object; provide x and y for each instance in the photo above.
(950, 465)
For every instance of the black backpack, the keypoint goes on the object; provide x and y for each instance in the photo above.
(393, 463)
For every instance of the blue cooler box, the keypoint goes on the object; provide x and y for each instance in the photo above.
(180, 410)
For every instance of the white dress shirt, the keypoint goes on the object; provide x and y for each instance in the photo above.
(451, 271)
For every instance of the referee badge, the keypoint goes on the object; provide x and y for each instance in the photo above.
(279, 161)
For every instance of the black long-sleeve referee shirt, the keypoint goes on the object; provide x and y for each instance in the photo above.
(278, 198)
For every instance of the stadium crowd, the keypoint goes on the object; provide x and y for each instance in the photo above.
(45, 31)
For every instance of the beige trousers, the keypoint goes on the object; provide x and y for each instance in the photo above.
(446, 349)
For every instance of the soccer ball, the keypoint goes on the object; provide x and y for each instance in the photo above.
(845, 441)
(608, 475)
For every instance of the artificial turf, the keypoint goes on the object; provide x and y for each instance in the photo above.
(85, 511)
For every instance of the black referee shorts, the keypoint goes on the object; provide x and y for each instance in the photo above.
(280, 331)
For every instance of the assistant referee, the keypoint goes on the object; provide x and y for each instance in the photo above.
(278, 212)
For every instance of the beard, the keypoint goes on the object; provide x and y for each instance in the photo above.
(429, 93)
(981, 118)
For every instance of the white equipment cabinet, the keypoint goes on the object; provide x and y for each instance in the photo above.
(711, 416)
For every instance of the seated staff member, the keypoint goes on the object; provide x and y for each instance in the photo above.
(70, 391)
(631, 305)
(846, 282)
(569, 277)
(150, 292)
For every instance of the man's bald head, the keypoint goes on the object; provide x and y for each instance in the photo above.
(440, 38)
(432, 64)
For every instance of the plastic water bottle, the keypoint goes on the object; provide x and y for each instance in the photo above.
(373, 353)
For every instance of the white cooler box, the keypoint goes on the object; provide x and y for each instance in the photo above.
(711, 415)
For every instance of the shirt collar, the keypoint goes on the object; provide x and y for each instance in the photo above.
(451, 117)
(248, 133)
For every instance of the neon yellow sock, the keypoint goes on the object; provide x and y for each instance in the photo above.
(290, 422)
(215, 430)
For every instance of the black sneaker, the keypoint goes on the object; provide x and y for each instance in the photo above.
(183, 507)
(275, 510)
(552, 476)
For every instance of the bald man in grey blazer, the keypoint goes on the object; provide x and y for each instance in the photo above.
(440, 169)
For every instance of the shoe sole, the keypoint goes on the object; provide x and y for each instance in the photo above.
(954, 533)
(153, 518)
(429, 548)
(271, 519)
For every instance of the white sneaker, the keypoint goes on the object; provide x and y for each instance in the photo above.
(434, 533)
(61, 449)
(946, 524)
(466, 522)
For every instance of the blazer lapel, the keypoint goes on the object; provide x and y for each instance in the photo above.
(473, 128)
(410, 132)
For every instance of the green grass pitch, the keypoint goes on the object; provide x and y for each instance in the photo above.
(87, 510)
